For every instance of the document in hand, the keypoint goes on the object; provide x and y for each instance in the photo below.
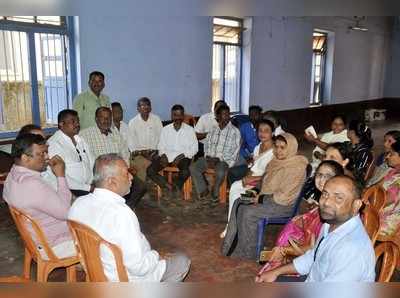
(311, 131)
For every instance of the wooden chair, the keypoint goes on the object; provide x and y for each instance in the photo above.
(375, 196)
(187, 186)
(223, 190)
(370, 218)
(88, 243)
(371, 161)
(13, 279)
(389, 254)
(44, 266)
(189, 120)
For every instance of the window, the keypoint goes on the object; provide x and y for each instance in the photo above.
(227, 61)
(319, 48)
(35, 80)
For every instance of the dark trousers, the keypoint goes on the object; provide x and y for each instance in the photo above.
(236, 173)
(138, 190)
(79, 192)
(155, 167)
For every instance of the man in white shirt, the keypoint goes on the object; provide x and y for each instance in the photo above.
(177, 146)
(206, 124)
(104, 139)
(343, 251)
(118, 123)
(144, 135)
(76, 154)
(106, 213)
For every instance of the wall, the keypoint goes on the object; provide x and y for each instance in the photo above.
(281, 60)
(392, 86)
(167, 59)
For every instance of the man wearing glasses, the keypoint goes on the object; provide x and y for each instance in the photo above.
(75, 152)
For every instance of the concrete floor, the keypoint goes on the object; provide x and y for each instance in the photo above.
(173, 224)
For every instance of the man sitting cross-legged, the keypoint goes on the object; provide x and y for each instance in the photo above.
(223, 144)
(177, 146)
(106, 213)
(25, 189)
(343, 251)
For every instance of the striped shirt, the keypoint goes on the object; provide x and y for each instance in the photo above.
(224, 144)
(100, 143)
(359, 159)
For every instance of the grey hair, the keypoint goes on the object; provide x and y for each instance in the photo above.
(105, 168)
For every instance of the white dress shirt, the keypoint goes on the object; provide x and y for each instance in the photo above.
(78, 160)
(106, 213)
(123, 130)
(205, 124)
(344, 255)
(144, 135)
(173, 143)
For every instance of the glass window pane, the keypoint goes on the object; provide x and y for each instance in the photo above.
(217, 69)
(27, 19)
(227, 22)
(15, 84)
(52, 20)
(52, 79)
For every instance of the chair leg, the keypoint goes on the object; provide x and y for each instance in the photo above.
(187, 189)
(222, 191)
(42, 271)
(158, 192)
(71, 273)
(27, 264)
(260, 236)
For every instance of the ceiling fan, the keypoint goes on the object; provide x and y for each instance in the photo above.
(357, 26)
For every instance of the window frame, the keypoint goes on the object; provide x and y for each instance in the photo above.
(66, 28)
(224, 44)
(322, 66)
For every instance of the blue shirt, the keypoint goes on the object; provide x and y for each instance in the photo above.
(249, 139)
(344, 255)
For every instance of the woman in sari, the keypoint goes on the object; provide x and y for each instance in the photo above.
(283, 179)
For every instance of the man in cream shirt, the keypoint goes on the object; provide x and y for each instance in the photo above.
(105, 212)
(76, 154)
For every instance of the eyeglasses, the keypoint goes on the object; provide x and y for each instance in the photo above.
(323, 176)
(79, 153)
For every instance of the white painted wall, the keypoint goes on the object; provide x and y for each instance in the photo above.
(281, 60)
(392, 86)
(167, 59)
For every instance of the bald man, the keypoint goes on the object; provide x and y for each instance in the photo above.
(343, 251)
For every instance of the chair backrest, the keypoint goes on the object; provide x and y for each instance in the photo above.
(370, 218)
(375, 196)
(371, 162)
(22, 221)
(386, 254)
(189, 120)
(302, 192)
(88, 243)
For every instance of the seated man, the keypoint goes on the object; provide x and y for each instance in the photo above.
(75, 153)
(104, 139)
(118, 117)
(144, 135)
(177, 146)
(223, 144)
(205, 125)
(105, 212)
(343, 251)
(25, 189)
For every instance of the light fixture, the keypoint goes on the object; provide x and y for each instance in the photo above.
(357, 26)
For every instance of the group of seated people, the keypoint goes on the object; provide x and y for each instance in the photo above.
(103, 163)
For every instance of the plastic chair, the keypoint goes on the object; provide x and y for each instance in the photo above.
(44, 266)
(371, 221)
(88, 243)
(390, 255)
(375, 196)
(187, 186)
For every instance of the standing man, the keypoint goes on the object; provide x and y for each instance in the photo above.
(223, 144)
(104, 139)
(118, 123)
(177, 146)
(88, 101)
(144, 135)
(343, 251)
(76, 154)
(205, 125)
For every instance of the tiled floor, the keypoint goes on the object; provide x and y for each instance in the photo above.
(173, 224)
